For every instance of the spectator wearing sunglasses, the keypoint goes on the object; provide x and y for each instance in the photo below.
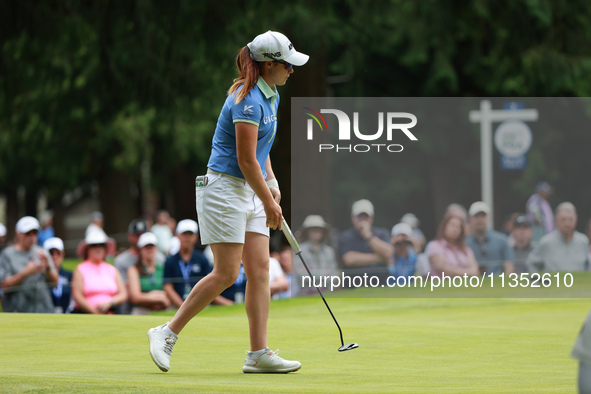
(491, 248)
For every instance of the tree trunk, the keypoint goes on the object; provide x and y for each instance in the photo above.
(118, 204)
(12, 214)
(184, 194)
(31, 199)
(58, 217)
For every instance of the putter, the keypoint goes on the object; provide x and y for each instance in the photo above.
(296, 249)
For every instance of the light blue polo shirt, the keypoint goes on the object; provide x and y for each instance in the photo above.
(493, 252)
(258, 108)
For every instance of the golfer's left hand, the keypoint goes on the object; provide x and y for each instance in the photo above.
(274, 215)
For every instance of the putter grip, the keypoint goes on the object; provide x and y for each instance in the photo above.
(289, 235)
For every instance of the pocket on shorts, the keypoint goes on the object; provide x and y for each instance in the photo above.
(201, 183)
(210, 179)
(199, 199)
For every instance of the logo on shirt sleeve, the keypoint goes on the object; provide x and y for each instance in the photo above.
(248, 110)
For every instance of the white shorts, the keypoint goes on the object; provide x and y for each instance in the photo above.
(227, 208)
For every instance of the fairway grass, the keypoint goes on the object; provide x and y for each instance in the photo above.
(406, 345)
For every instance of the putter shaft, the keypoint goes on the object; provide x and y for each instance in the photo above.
(296, 249)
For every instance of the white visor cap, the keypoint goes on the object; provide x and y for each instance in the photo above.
(273, 45)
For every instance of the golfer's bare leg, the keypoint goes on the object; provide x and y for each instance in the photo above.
(225, 272)
(255, 259)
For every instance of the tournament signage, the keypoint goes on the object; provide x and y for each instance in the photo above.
(513, 139)
(509, 140)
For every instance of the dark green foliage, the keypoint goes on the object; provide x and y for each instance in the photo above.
(92, 88)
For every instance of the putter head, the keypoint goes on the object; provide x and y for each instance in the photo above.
(348, 346)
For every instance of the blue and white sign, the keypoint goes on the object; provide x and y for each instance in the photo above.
(513, 139)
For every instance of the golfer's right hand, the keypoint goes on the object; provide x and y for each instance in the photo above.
(274, 215)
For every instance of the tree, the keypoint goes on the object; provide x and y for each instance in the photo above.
(127, 93)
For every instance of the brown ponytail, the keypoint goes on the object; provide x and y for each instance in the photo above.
(249, 74)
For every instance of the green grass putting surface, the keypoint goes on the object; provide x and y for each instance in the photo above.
(406, 345)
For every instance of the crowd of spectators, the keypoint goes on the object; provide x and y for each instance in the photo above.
(466, 244)
(156, 272)
(539, 239)
(162, 263)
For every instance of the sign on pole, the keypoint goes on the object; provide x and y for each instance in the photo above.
(486, 116)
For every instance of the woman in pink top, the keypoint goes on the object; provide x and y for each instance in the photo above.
(448, 253)
(97, 286)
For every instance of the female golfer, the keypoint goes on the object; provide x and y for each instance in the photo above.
(238, 201)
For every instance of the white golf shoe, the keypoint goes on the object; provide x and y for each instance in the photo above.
(161, 345)
(269, 362)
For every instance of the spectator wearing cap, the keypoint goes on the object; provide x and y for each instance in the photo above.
(564, 249)
(418, 238)
(129, 256)
(26, 272)
(97, 286)
(320, 257)
(364, 245)
(521, 242)
(187, 267)
(404, 259)
(491, 248)
(97, 223)
(448, 254)
(145, 278)
(61, 294)
(539, 211)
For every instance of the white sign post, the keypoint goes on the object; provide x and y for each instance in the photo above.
(486, 116)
